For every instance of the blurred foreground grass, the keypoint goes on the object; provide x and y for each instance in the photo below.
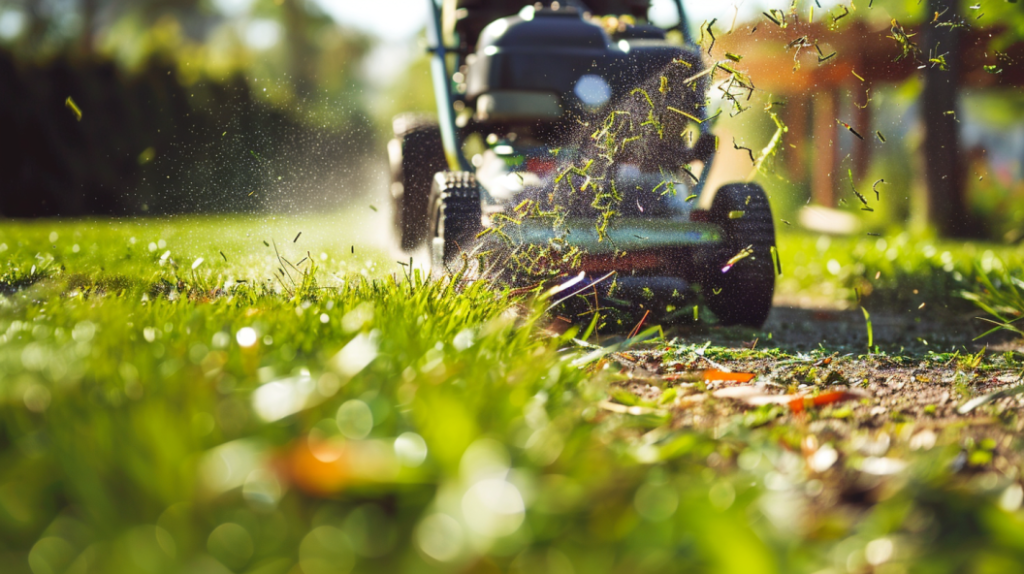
(159, 413)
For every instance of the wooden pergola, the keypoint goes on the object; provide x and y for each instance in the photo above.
(812, 82)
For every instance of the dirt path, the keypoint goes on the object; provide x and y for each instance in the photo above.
(916, 332)
(857, 420)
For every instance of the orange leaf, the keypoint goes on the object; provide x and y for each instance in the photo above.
(716, 375)
(319, 467)
(799, 404)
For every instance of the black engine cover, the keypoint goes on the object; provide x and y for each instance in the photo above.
(551, 51)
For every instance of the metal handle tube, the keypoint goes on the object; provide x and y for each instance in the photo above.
(684, 24)
(443, 92)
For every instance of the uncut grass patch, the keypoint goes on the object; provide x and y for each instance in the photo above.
(135, 438)
(156, 417)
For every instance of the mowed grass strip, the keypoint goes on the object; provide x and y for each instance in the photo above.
(248, 414)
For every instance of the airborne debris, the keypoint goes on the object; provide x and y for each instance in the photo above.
(772, 148)
(874, 188)
(71, 105)
(743, 254)
(867, 100)
(849, 127)
(836, 19)
(853, 186)
(903, 40)
(822, 57)
(712, 34)
(746, 149)
(938, 60)
(778, 17)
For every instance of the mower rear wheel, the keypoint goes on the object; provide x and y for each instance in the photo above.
(415, 154)
(455, 215)
(741, 294)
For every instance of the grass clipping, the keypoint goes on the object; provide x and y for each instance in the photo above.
(660, 126)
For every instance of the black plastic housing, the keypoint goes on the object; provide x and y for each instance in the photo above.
(551, 51)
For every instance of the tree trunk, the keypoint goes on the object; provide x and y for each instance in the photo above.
(32, 39)
(86, 42)
(944, 164)
(299, 53)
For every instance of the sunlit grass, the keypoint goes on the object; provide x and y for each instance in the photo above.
(899, 272)
(230, 247)
(161, 415)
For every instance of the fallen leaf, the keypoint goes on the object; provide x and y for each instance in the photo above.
(716, 375)
(985, 399)
(323, 467)
(752, 395)
(881, 466)
(823, 458)
(629, 410)
(710, 375)
(800, 403)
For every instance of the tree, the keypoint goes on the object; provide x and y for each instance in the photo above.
(301, 54)
(944, 164)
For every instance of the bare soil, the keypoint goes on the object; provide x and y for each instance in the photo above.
(855, 416)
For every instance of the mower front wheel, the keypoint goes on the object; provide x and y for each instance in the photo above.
(415, 155)
(740, 293)
(455, 216)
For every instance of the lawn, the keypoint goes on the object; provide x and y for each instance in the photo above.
(242, 395)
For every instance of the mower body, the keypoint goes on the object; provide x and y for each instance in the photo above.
(522, 89)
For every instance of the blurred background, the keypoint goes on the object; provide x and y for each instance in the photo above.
(285, 106)
(150, 422)
(196, 105)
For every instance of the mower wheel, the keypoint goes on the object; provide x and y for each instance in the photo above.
(454, 215)
(415, 155)
(742, 294)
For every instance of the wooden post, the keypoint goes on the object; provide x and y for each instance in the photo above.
(797, 112)
(825, 148)
(862, 121)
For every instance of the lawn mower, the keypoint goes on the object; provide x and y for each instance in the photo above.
(574, 137)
